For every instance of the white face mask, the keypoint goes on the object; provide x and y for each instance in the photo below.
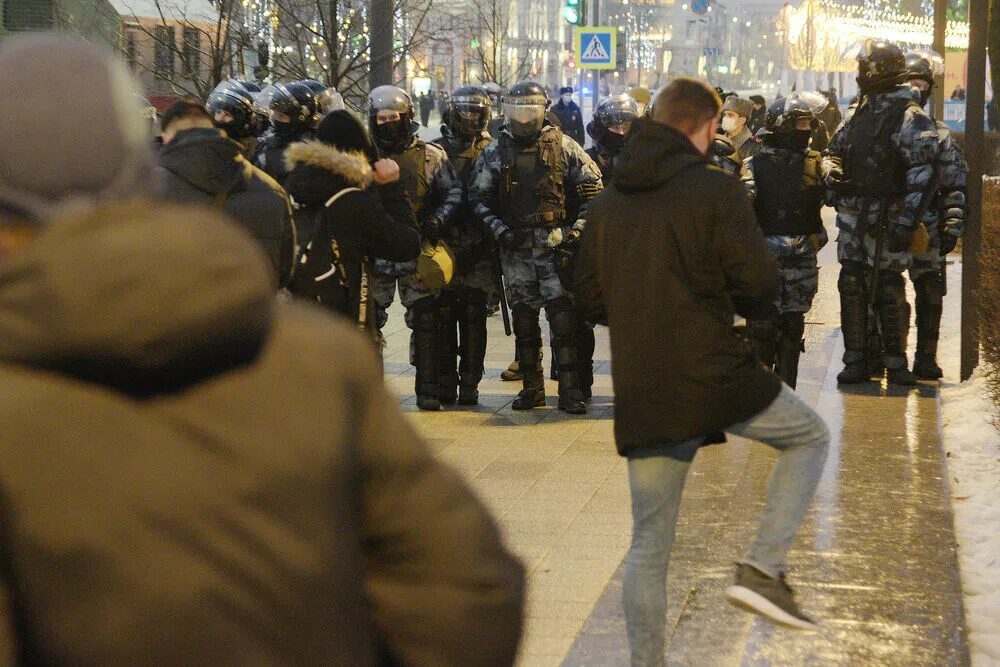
(567, 99)
(729, 124)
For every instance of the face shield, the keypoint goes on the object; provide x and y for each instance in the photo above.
(330, 100)
(468, 116)
(525, 115)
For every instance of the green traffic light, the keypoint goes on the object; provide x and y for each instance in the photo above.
(571, 12)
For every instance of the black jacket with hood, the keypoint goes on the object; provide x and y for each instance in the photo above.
(375, 223)
(203, 166)
(194, 474)
(671, 252)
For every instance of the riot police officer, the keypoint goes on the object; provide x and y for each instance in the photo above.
(944, 217)
(466, 299)
(611, 122)
(294, 113)
(521, 191)
(783, 178)
(327, 97)
(436, 195)
(231, 106)
(878, 166)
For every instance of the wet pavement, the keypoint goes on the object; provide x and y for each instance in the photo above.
(875, 561)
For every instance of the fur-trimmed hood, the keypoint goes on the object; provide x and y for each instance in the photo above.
(318, 170)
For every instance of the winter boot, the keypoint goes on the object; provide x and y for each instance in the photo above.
(893, 315)
(448, 344)
(472, 330)
(513, 372)
(930, 300)
(854, 324)
(562, 323)
(770, 597)
(529, 346)
(426, 355)
(585, 344)
(790, 346)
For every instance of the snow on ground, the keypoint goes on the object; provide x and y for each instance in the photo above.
(972, 445)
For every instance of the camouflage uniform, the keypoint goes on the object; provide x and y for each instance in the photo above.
(532, 270)
(435, 192)
(465, 301)
(788, 196)
(911, 148)
(945, 214)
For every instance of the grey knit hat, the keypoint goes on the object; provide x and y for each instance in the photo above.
(740, 106)
(73, 133)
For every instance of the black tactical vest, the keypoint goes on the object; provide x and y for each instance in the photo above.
(533, 187)
(871, 163)
(463, 159)
(788, 200)
(413, 173)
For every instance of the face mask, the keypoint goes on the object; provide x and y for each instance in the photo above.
(800, 140)
(729, 124)
(284, 129)
(612, 141)
(566, 99)
(392, 136)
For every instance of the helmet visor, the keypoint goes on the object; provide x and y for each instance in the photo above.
(468, 115)
(806, 103)
(524, 120)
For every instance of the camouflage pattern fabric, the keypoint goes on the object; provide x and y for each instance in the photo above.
(581, 176)
(443, 199)
(916, 142)
(530, 277)
(798, 270)
(951, 204)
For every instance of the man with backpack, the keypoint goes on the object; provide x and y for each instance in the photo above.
(199, 164)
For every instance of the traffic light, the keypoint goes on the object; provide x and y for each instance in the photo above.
(573, 12)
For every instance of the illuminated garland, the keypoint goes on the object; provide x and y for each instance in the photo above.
(894, 26)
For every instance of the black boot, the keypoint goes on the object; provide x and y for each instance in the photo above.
(854, 324)
(930, 300)
(790, 346)
(893, 313)
(472, 331)
(529, 346)
(585, 344)
(448, 346)
(562, 324)
(427, 355)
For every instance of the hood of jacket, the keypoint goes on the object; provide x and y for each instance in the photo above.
(139, 297)
(653, 154)
(204, 157)
(310, 165)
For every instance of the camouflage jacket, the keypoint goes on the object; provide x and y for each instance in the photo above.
(916, 142)
(465, 228)
(950, 205)
(581, 176)
(442, 191)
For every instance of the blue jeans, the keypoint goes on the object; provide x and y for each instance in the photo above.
(656, 478)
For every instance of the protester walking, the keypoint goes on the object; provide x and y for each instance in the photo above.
(201, 475)
(674, 245)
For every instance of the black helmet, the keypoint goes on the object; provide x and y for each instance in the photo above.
(292, 106)
(881, 65)
(612, 120)
(494, 90)
(232, 109)
(781, 120)
(524, 108)
(468, 111)
(250, 86)
(392, 136)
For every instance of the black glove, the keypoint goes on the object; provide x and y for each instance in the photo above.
(510, 239)
(572, 239)
(898, 238)
(836, 181)
(431, 230)
(948, 243)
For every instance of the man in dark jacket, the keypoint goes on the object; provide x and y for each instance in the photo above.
(670, 254)
(198, 164)
(200, 474)
(570, 116)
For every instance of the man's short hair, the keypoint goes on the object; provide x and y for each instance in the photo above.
(686, 104)
(183, 109)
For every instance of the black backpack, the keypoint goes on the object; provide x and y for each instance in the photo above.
(320, 274)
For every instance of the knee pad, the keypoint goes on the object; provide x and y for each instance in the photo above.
(563, 323)
(891, 288)
(930, 288)
(526, 324)
(425, 314)
(556, 306)
(852, 278)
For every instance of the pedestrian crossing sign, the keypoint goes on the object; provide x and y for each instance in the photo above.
(595, 47)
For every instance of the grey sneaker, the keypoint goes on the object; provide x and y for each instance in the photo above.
(766, 596)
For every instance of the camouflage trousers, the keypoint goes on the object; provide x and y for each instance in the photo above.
(930, 261)
(798, 270)
(387, 276)
(857, 245)
(531, 278)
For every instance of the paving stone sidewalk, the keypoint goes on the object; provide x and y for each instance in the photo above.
(875, 561)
